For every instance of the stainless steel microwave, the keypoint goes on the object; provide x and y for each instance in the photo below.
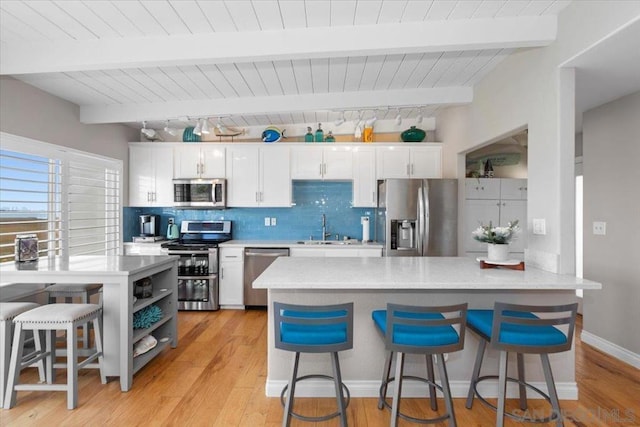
(200, 193)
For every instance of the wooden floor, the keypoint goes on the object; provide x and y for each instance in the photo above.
(216, 377)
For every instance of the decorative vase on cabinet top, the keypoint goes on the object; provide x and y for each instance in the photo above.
(189, 136)
(413, 135)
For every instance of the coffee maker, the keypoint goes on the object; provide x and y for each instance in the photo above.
(150, 227)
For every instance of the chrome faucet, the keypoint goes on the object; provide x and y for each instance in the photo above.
(324, 228)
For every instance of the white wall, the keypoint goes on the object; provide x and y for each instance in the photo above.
(523, 92)
(611, 145)
(32, 113)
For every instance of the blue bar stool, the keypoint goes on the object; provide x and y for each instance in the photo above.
(516, 328)
(314, 329)
(419, 330)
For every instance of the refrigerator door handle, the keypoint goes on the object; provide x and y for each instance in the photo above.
(420, 224)
(425, 218)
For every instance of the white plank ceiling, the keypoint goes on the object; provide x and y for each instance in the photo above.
(263, 62)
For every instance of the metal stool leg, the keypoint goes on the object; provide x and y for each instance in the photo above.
(337, 380)
(385, 379)
(476, 373)
(431, 377)
(448, 401)
(551, 386)
(521, 377)
(502, 388)
(397, 389)
(288, 407)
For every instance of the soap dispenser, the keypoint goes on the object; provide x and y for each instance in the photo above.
(172, 230)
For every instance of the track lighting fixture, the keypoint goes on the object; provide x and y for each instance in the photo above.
(149, 133)
(170, 130)
(340, 120)
(198, 129)
(205, 126)
(419, 118)
(372, 120)
(398, 117)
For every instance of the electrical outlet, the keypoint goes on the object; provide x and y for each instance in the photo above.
(267, 221)
(599, 228)
(539, 226)
(273, 222)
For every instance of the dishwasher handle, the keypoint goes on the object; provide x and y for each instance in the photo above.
(260, 252)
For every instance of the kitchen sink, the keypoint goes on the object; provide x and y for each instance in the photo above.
(325, 242)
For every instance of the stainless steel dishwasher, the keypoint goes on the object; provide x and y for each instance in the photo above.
(256, 260)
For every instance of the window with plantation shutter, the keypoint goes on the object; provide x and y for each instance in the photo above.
(69, 199)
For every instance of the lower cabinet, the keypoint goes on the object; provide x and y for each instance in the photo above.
(231, 278)
(144, 249)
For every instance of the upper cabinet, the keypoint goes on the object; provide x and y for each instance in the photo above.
(199, 161)
(409, 162)
(258, 176)
(150, 177)
(365, 187)
(327, 162)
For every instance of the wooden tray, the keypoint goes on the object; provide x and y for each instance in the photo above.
(511, 264)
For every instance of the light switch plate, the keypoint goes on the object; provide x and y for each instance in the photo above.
(599, 228)
(267, 221)
(273, 222)
(539, 226)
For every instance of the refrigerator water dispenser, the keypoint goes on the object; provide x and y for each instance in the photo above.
(403, 232)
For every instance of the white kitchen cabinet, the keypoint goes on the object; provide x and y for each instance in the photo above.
(231, 291)
(258, 176)
(409, 162)
(150, 174)
(199, 161)
(365, 188)
(494, 200)
(327, 162)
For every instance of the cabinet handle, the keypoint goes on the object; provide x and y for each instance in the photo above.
(498, 204)
(197, 168)
(504, 204)
(202, 168)
(408, 170)
(482, 188)
(261, 196)
(324, 172)
(412, 170)
(222, 272)
(256, 196)
(373, 196)
(320, 169)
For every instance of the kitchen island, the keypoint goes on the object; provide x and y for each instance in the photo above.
(117, 274)
(372, 282)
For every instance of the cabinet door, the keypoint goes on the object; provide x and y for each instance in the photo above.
(186, 161)
(231, 291)
(511, 210)
(306, 163)
(479, 212)
(307, 252)
(337, 163)
(513, 189)
(163, 164)
(364, 178)
(141, 176)
(426, 162)
(392, 162)
(275, 177)
(482, 188)
(212, 162)
(242, 176)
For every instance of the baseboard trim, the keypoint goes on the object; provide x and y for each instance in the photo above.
(459, 389)
(611, 349)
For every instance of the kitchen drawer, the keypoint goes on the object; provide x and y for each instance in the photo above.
(231, 254)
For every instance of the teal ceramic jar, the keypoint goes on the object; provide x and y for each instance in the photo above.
(189, 136)
(413, 134)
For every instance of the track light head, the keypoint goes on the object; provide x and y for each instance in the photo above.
(205, 126)
(149, 133)
(398, 117)
(340, 120)
(170, 130)
(198, 129)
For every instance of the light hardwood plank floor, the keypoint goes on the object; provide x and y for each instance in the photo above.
(217, 374)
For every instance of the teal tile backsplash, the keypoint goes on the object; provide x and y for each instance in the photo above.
(311, 199)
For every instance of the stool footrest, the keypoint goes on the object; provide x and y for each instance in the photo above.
(40, 387)
(322, 417)
(408, 417)
(520, 418)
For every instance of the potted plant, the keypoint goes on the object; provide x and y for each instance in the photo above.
(497, 239)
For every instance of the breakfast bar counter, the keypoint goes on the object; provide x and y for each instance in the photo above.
(373, 282)
(117, 274)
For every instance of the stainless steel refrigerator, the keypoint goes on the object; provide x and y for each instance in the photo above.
(418, 217)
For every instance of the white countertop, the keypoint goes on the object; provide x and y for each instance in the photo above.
(411, 273)
(82, 265)
(295, 244)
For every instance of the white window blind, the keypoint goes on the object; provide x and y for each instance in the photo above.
(69, 199)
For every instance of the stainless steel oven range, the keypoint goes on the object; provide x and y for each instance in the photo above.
(198, 263)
